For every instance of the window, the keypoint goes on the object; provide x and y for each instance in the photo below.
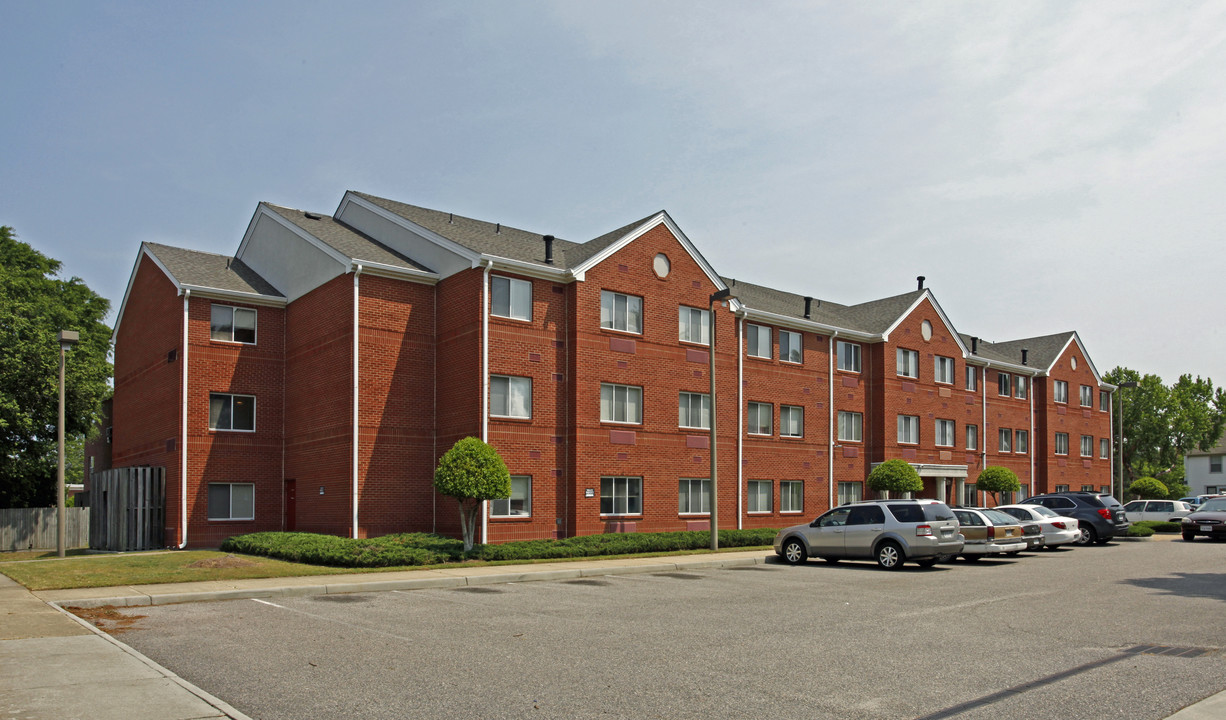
(850, 492)
(1087, 396)
(789, 347)
(1003, 384)
(694, 496)
(791, 421)
(694, 410)
(621, 312)
(972, 378)
(232, 324)
(972, 437)
(849, 356)
(520, 502)
(1063, 488)
(231, 412)
(944, 370)
(1060, 391)
(761, 418)
(945, 433)
(1087, 488)
(1104, 400)
(791, 496)
(231, 501)
(621, 495)
(760, 496)
(1019, 387)
(695, 325)
(908, 429)
(1087, 446)
(1104, 448)
(510, 298)
(621, 403)
(851, 426)
(510, 396)
(1006, 440)
(908, 363)
(759, 337)
(1021, 441)
(1062, 443)
(970, 495)
(1215, 463)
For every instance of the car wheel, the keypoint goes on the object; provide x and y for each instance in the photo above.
(831, 560)
(1189, 537)
(926, 562)
(889, 556)
(794, 551)
(1087, 536)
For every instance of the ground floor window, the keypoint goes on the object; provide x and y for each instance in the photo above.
(1087, 488)
(850, 492)
(791, 496)
(520, 502)
(760, 496)
(694, 495)
(970, 495)
(231, 501)
(1062, 488)
(621, 495)
(1023, 492)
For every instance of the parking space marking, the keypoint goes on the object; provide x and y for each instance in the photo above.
(334, 621)
(974, 603)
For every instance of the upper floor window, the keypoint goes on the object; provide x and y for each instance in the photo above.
(908, 429)
(510, 298)
(621, 312)
(1087, 445)
(232, 324)
(945, 433)
(1104, 400)
(1021, 441)
(1215, 463)
(694, 410)
(1006, 439)
(1087, 396)
(1004, 386)
(908, 363)
(851, 426)
(944, 370)
(972, 437)
(761, 418)
(695, 325)
(789, 347)
(231, 412)
(972, 378)
(1019, 386)
(759, 337)
(1062, 443)
(510, 396)
(791, 421)
(519, 504)
(621, 403)
(1059, 391)
(1104, 448)
(849, 356)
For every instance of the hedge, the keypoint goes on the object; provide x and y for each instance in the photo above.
(1159, 526)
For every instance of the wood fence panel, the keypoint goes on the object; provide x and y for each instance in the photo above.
(36, 529)
(128, 508)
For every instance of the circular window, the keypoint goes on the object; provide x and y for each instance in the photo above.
(1073, 363)
(661, 265)
(926, 330)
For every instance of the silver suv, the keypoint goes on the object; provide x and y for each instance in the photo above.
(890, 531)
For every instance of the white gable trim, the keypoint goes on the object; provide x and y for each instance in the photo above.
(449, 245)
(262, 210)
(203, 291)
(1075, 338)
(953, 333)
(661, 217)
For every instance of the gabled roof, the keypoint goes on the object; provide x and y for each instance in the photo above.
(191, 268)
(1041, 352)
(355, 245)
(879, 316)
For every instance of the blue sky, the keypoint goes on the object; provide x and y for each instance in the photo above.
(1048, 166)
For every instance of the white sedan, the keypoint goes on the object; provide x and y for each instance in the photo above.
(1157, 510)
(1057, 529)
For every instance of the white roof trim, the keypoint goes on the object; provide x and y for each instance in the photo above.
(811, 325)
(520, 267)
(431, 236)
(262, 210)
(370, 267)
(940, 313)
(661, 217)
(236, 295)
(1074, 337)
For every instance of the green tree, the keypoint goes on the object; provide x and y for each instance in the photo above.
(1148, 488)
(471, 472)
(895, 476)
(35, 304)
(996, 479)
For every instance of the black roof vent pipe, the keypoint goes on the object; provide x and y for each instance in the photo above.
(808, 306)
(549, 249)
(920, 279)
(1024, 353)
(974, 346)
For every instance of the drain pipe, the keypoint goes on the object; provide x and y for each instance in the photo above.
(830, 425)
(740, 421)
(357, 271)
(187, 294)
(485, 383)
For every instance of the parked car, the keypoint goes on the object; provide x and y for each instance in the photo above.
(1196, 500)
(1156, 510)
(988, 532)
(889, 531)
(1057, 529)
(1100, 517)
(1208, 520)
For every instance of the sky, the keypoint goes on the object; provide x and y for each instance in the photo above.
(1048, 166)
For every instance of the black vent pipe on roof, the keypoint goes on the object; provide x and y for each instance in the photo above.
(808, 306)
(974, 346)
(498, 229)
(549, 249)
(1024, 353)
(920, 279)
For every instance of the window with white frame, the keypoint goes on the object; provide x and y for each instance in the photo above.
(1104, 400)
(791, 421)
(972, 437)
(1215, 463)
(849, 356)
(510, 297)
(908, 429)
(1087, 488)
(1087, 396)
(760, 492)
(908, 363)
(231, 501)
(231, 412)
(1021, 441)
(694, 325)
(694, 410)
(850, 492)
(510, 396)
(972, 378)
(1062, 443)
(621, 496)
(1087, 446)
(232, 324)
(1019, 386)
(970, 494)
(790, 349)
(619, 311)
(944, 433)
(1059, 390)
(1104, 448)
(760, 420)
(621, 403)
(693, 496)
(1062, 488)
(851, 426)
(1005, 436)
(791, 496)
(758, 340)
(944, 370)
(1004, 386)
(519, 504)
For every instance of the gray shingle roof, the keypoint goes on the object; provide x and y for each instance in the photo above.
(190, 267)
(873, 317)
(1041, 351)
(347, 241)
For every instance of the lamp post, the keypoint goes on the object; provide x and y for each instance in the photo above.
(1120, 414)
(717, 296)
(68, 338)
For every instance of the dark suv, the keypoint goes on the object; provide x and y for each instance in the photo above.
(1099, 516)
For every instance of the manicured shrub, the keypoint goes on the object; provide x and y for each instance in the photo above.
(1148, 488)
(1160, 526)
(1139, 530)
(996, 479)
(472, 471)
(895, 476)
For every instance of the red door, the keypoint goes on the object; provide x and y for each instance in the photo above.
(291, 493)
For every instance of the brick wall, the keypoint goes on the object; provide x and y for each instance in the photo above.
(1072, 469)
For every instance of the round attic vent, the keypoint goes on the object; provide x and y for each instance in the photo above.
(661, 265)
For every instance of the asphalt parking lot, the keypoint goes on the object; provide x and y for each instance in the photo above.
(1129, 630)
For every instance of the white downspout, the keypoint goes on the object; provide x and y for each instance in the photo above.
(830, 425)
(1030, 443)
(983, 441)
(183, 445)
(740, 422)
(485, 382)
(1110, 434)
(357, 271)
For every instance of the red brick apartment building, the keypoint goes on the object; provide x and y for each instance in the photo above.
(312, 381)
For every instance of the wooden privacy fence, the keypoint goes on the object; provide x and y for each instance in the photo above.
(37, 528)
(127, 507)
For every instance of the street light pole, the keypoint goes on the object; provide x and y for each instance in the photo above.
(67, 339)
(718, 296)
(1120, 414)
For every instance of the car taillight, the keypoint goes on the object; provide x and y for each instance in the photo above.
(1058, 524)
(1105, 512)
(923, 529)
(991, 532)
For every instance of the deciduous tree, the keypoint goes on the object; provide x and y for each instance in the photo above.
(996, 479)
(472, 472)
(895, 476)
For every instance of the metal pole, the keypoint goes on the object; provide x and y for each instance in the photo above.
(714, 483)
(61, 513)
(1120, 415)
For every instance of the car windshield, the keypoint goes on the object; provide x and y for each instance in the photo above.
(999, 518)
(1214, 505)
(1109, 501)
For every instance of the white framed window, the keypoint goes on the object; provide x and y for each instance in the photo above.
(850, 492)
(619, 311)
(1215, 464)
(232, 324)
(759, 340)
(972, 378)
(1006, 440)
(231, 412)
(760, 495)
(1062, 443)
(851, 426)
(790, 349)
(1104, 448)
(1062, 488)
(791, 421)
(908, 429)
(1087, 446)
(972, 437)
(621, 496)
(1004, 386)
(1087, 396)
(761, 418)
(510, 297)
(519, 504)
(694, 325)
(231, 501)
(1021, 441)
(510, 396)
(1104, 400)
(970, 494)
(1019, 387)
(944, 370)
(849, 356)
(908, 363)
(1060, 391)
(944, 433)
(621, 404)
(694, 496)
(791, 496)
(694, 410)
